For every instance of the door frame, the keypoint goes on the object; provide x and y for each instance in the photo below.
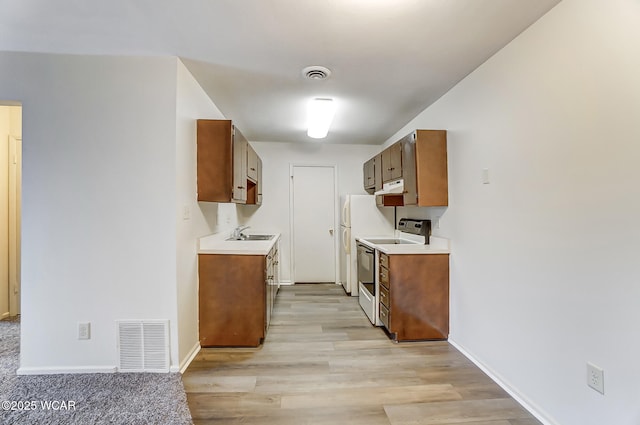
(336, 212)
(15, 221)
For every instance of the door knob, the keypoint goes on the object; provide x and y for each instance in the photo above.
(331, 232)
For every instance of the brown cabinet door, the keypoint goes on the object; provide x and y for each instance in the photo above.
(215, 160)
(240, 146)
(392, 162)
(267, 287)
(396, 160)
(419, 296)
(252, 164)
(368, 175)
(231, 300)
(431, 168)
(386, 164)
(384, 296)
(385, 316)
(377, 172)
(259, 183)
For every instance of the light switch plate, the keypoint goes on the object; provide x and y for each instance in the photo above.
(485, 176)
(84, 330)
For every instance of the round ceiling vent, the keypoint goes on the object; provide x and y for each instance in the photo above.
(316, 72)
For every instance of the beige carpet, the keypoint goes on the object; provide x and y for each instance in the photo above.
(118, 398)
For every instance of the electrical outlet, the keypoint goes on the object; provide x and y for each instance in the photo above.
(84, 330)
(595, 378)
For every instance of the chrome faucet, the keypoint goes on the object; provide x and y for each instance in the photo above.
(237, 232)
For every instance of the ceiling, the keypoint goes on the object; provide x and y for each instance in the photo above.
(390, 59)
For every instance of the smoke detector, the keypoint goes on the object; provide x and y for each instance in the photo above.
(316, 72)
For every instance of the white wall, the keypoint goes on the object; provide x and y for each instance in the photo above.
(99, 196)
(273, 214)
(192, 104)
(545, 272)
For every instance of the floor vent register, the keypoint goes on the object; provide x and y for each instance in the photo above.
(143, 346)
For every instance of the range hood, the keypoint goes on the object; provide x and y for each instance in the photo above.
(395, 187)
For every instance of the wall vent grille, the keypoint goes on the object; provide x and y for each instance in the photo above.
(143, 346)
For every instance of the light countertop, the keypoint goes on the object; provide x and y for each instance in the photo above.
(217, 244)
(436, 245)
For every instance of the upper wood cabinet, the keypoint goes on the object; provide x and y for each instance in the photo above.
(431, 175)
(420, 159)
(227, 164)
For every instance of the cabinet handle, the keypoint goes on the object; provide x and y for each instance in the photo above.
(252, 169)
(240, 187)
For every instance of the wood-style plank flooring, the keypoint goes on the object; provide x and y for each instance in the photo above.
(324, 364)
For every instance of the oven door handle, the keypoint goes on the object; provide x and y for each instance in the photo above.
(366, 248)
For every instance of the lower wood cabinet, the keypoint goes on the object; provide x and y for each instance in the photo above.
(236, 297)
(272, 283)
(414, 296)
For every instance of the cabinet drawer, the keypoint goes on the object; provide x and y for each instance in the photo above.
(384, 260)
(384, 316)
(384, 296)
(384, 277)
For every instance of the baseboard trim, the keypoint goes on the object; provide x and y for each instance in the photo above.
(188, 359)
(533, 408)
(65, 370)
(5, 315)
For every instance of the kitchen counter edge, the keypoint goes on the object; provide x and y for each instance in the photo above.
(437, 245)
(216, 244)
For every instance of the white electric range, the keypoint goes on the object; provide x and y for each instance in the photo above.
(410, 232)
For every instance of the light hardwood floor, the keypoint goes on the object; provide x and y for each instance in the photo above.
(323, 363)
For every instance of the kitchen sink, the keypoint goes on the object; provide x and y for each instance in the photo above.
(252, 238)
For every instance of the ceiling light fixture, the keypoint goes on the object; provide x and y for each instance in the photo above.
(319, 117)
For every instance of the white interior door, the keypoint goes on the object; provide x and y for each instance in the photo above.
(313, 221)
